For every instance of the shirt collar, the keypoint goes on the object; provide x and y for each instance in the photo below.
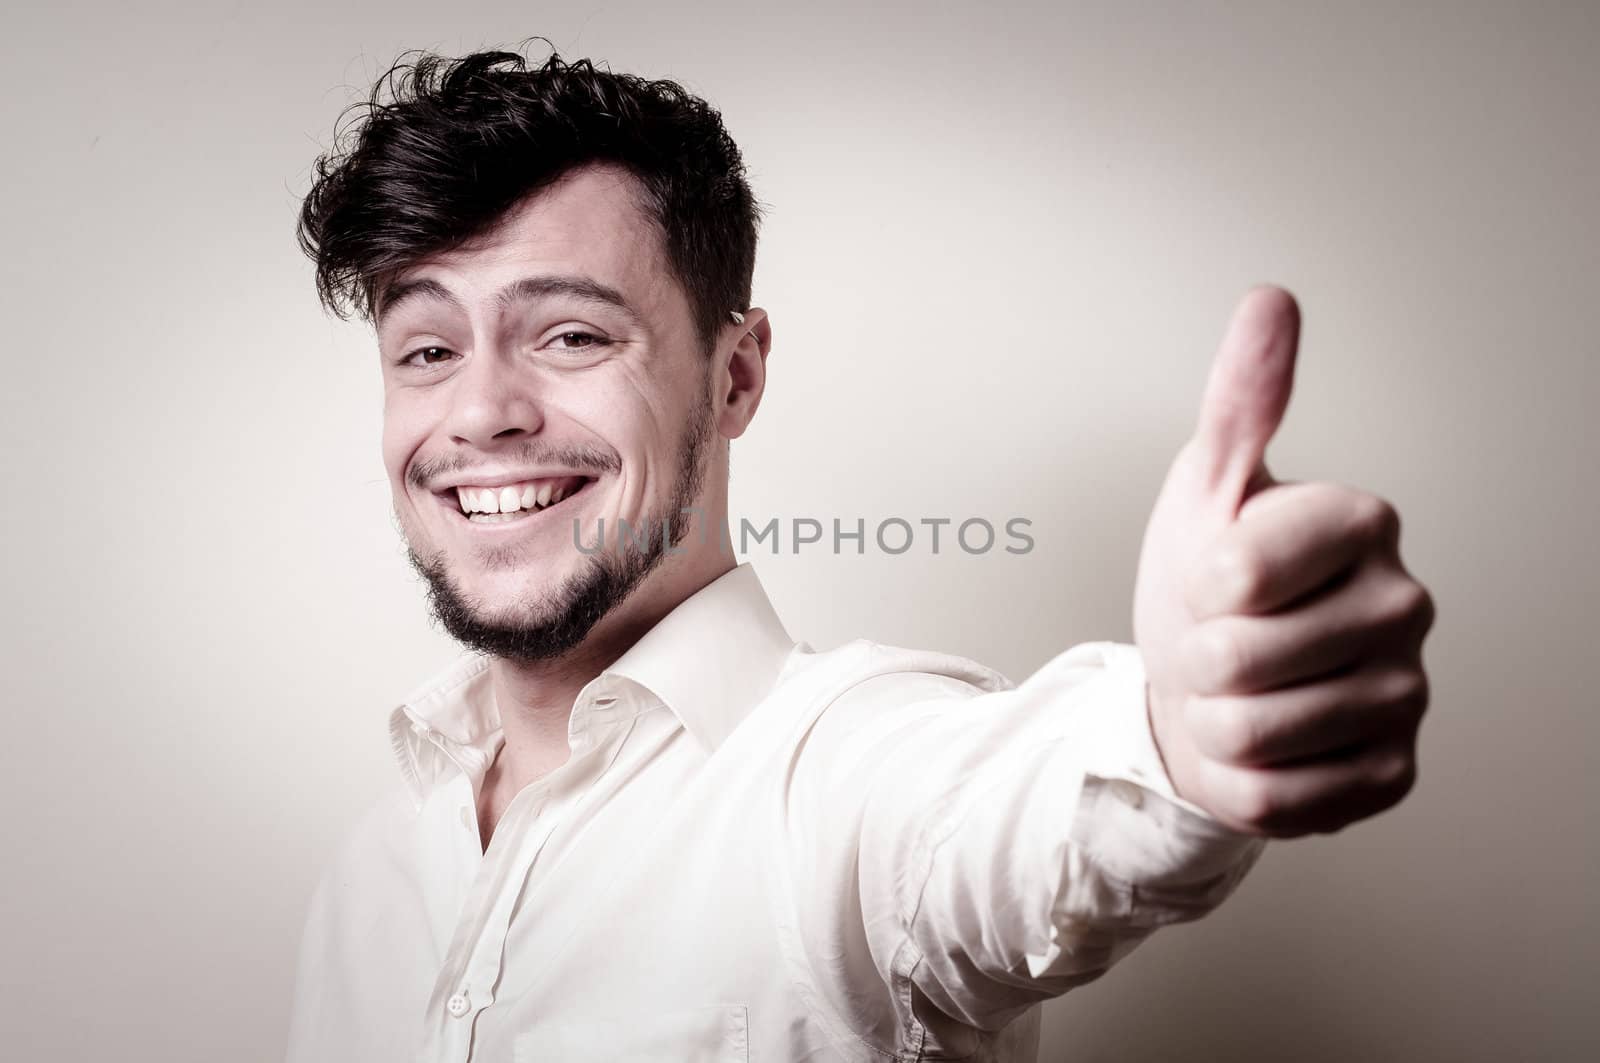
(709, 661)
(713, 657)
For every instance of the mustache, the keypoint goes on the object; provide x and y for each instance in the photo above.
(585, 459)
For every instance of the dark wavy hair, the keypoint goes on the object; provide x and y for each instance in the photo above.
(444, 147)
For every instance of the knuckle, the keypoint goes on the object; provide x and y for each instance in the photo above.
(1406, 604)
(1235, 734)
(1392, 774)
(1405, 690)
(1420, 610)
(1255, 802)
(1239, 574)
(1422, 698)
(1427, 610)
(1220, 657)
(1377, 518)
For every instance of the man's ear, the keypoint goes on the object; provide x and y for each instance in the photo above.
(742, 376)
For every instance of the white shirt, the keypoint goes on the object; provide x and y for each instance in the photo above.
(757, 851)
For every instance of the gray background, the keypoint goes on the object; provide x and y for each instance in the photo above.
(1002, 244)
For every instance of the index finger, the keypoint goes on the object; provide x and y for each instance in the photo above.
(1288, 540)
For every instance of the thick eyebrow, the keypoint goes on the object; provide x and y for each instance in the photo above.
(586, 289)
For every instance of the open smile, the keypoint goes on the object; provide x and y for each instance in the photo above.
(522, 503)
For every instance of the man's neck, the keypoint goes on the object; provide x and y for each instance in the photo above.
(535, 698)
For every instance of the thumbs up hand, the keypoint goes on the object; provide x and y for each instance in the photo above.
(1281, 635)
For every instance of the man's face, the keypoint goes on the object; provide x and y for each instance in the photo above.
(554, 363)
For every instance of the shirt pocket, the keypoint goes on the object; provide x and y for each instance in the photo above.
(716, 1033)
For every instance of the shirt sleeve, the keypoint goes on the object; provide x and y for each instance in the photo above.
(1011, 844)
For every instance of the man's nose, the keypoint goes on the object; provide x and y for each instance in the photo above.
(491, 400)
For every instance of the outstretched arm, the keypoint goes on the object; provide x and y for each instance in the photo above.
(1015, 843)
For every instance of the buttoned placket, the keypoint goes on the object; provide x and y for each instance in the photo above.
(601, 720)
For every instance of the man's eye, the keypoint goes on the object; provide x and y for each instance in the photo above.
(425, 352)
(575, 341)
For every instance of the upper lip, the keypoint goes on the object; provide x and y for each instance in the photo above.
(505, 479)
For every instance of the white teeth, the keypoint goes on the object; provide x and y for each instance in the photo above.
(511, 498)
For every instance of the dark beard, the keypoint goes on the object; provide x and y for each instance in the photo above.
(572, 609)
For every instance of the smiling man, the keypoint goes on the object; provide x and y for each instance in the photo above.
(636, 819)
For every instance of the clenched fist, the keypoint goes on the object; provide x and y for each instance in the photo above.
(1281, 635)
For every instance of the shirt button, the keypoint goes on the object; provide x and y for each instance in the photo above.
(1129, 793)
(466, 817)
(458, 1005)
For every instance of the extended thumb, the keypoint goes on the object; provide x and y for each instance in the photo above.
(1247, 391)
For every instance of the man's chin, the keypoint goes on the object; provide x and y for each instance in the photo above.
(513, 615)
